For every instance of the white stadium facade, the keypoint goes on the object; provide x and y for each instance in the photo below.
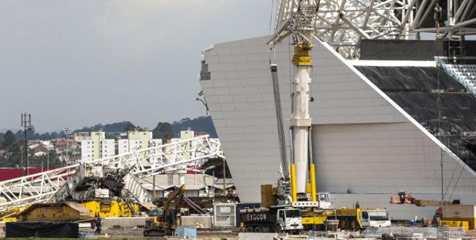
(365, 145)
(383, 119)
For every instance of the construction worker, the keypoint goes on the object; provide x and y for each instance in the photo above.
(98, 224)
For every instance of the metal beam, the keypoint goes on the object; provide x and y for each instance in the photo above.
(42, 186)
(355, 28)
(460, 10)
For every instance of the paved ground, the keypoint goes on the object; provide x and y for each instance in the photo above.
(136, 233)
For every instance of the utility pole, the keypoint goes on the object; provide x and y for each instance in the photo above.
(224, 177)
(66, 149)
(438, 13)
(26, 124)
(48, 160)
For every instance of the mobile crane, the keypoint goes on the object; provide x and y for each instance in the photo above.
(297, 186)
(295, 19)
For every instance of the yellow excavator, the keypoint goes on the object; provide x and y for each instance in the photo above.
(167, 217)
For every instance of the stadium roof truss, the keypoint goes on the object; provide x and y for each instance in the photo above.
(343, 23)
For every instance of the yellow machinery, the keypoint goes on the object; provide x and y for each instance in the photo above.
(459, 216)
(167, 216)
(58, 212)
(311, 219)
(360, 218)
(112, 208)
(456, 223)
(10, 215)
(347, 218)
(71, 211)
(450, 212)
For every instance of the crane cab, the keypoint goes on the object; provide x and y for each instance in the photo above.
(324, 200)
(374, 218)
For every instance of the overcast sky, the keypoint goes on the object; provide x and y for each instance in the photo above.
(74, 63)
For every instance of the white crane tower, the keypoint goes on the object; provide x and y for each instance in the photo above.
(297, 18)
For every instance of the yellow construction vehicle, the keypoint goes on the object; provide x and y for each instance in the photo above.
(458, 216)
(450, 212)
(56, 212)
(360, 218)
(71, 211)
(347, 218)
(11, 215)
(166, 218)
(112, 208)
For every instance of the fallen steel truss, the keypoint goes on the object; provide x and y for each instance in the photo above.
(41, 187)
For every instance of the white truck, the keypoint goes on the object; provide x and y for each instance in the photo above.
(272, 219)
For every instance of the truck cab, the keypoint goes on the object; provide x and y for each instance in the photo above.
(324, 200)
(374, 218)
(289, 219)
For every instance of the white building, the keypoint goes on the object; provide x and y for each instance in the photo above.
(122, 146)
(365, 144)
(137, 140)
(155, 142)
(80, 136)
(86, 150)
(94, 145)
(91, 146)
(108, 148)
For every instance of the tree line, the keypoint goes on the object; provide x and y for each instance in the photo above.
(13, 154)
(12, 143)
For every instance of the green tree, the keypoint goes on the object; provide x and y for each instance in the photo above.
(14, 156)
(9, 139)
(129, 127)
(42, 161)
(163, 131)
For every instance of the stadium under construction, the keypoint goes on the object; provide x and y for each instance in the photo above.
(390, 112)
(349, 112)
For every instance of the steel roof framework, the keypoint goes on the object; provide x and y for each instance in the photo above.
(343, 23)
(42, 187)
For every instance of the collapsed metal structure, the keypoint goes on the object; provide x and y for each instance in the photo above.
(50, 185)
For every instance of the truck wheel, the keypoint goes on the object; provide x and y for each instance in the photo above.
(278, 229)
(249, 229)
(343, 224)
(258, 229)
(353, 225)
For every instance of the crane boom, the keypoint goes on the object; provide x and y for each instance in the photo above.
(296, 18)
(280, 125)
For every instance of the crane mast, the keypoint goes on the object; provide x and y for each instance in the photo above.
(296, 18)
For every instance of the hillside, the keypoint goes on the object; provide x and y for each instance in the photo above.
(199, 124)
